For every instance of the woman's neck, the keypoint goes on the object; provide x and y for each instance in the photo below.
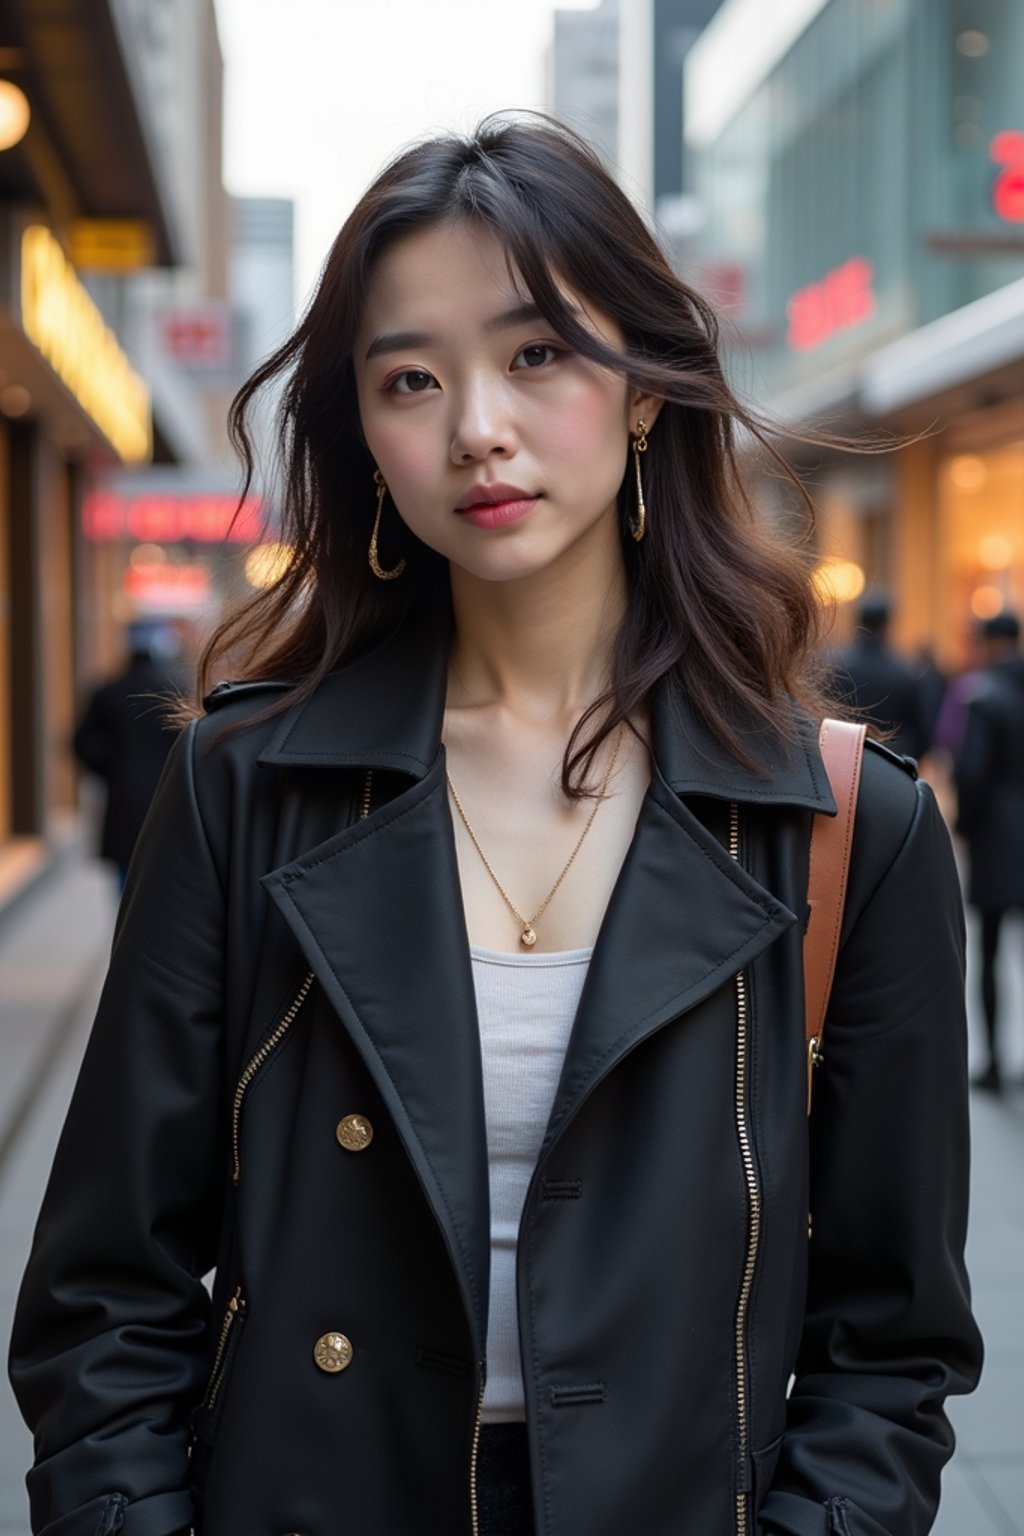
(540, 648)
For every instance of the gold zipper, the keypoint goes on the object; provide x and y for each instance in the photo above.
(254, 1064)
(364, 804)
(274, 1039)
(815, 1056)
(754, 1209)
(474, 1455)
(235, 1307)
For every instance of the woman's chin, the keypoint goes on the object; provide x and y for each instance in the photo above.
(529, 556)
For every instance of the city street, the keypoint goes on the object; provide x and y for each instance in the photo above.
(52, 952)
(585, 340)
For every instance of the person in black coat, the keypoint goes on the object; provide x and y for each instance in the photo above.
(871, 678)
(124, 737)
(494, 1129)
(989, 774)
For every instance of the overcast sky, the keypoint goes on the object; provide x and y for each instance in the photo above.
(321, 92)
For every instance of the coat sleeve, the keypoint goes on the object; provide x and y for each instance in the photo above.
(888, 1331)
(110, 1334)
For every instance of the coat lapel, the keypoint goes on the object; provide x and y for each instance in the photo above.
(683, 918)
(378, 912)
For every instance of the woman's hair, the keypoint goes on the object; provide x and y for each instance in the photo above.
(714, 596)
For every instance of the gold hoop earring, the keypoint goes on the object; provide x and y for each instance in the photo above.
(375, 565)
(638, 524)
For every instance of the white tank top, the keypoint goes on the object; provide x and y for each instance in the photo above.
(526, 1005)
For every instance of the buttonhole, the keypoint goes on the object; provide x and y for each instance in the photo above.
(561, 1189)
(574, 1397)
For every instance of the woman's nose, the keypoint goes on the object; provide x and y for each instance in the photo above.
(483, 424)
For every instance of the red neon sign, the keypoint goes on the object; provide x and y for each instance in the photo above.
(842, 299)
(199, 335)
(164, 588)
(1007, 150)
(154, 518)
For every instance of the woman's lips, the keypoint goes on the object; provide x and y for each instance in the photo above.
(500, 513)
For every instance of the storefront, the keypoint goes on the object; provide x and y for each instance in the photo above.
(84, 187)
(68, 397)
(864, 187)
(980, 524)
(954, 391)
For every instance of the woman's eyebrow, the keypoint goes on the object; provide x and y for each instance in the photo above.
(402, 341)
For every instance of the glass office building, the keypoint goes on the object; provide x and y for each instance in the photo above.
(861, 169)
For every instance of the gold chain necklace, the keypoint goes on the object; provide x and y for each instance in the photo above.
(528, 935)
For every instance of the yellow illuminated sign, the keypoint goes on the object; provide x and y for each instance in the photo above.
(58, 315)
(111, 245)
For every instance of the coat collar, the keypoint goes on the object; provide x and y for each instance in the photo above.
(385, 710)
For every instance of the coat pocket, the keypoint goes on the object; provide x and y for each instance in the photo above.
(845, 1518)
(763, 1464)
(204, 1417)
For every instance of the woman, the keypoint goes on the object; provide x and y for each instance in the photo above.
(455, 1008)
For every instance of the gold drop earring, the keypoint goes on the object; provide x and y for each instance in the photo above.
(638, 524)
(375, 565)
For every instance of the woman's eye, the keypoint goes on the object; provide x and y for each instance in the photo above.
(537, 354)
(412, 382)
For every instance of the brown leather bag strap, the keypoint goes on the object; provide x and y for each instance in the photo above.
(842, 751)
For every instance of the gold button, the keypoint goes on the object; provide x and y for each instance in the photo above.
(354, 1133)
(332, 1352)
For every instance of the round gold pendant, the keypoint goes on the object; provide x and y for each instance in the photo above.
(528, 937)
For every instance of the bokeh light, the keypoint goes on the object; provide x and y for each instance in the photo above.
(986, 602)
(837, 580)
(266, 564)
(15, 114)
(968, 472)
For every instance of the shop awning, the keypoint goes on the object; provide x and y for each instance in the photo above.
(91, 146)
(937, 368)
(981, 339)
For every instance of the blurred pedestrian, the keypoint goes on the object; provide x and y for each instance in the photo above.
(949, 728)
(495, 1128)
(873, 679)
(989, 777)
(932, 684)
(125, 734)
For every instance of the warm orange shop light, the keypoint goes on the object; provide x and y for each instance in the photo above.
(15, 114)
(836, 580)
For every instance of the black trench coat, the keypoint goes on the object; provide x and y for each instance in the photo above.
(284, 1080)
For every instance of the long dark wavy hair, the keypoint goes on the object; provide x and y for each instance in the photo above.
(714, 596)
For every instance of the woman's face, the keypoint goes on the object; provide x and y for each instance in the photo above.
(501, 447)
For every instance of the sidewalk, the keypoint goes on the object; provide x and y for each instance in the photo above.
(52, 953)
(984, 1487)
